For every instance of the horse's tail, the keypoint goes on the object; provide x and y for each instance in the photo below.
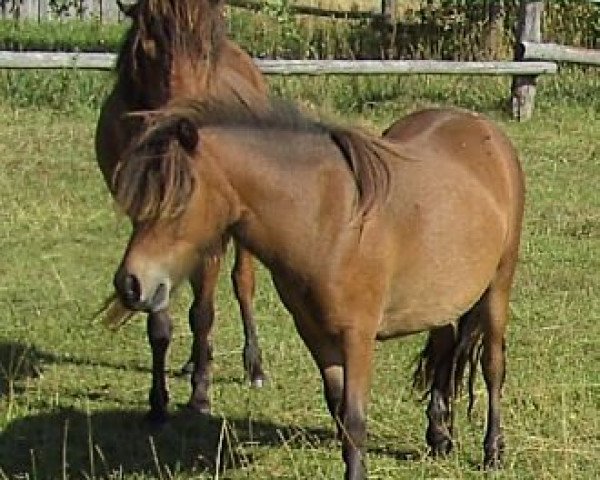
(466, 351)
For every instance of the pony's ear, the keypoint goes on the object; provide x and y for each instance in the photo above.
(187, 134)
(128, 9)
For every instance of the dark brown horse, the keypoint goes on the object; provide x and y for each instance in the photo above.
(365, 238)
(176, 49)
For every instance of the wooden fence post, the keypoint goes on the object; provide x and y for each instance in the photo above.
(388, 26)
(495, 40)
(529, 29)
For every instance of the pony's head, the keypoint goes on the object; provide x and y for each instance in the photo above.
(162, 33)
(167, 187)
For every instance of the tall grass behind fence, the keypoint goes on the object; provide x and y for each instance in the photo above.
(446, 29)
(442, 29)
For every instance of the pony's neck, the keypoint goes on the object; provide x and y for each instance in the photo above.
(182, 78)
(283, 182)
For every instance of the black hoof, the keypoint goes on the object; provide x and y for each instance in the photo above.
(156, 419)
(199, 406)
(442, 448)
(493, 462)
(440, 442)
(493, 457)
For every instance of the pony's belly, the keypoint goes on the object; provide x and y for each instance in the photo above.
(431, 312)
(408, 323)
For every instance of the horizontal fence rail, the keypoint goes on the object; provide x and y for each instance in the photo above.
(558, 53)
(374, 67)
(308, 10)
(107, 11)
(106, 61)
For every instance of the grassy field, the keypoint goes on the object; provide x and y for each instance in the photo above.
(72, 395)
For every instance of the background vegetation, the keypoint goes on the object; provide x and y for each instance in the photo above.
(445, 29)
(72, 395)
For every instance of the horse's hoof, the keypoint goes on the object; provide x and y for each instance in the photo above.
(199, 406)
(492, 463)
(258, 381)
(440, 441)
(156, 419)
(188, 368)
(442, 448)
(493, 453)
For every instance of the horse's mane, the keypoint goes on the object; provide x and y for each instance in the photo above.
(156, 179)
(162, 29)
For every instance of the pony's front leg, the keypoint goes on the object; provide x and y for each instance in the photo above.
(327, 353)
(159, 331)
(358, 357)
(202, 315)
(242, 277)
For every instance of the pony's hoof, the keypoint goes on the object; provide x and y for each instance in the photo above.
(156, 419)
(442, 447)
(493, 454)
(188, 368)
(258, 381)
(199, 406)
(493, 462)
(440, 441)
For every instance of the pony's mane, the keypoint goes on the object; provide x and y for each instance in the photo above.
(191, 28)
(156, 179)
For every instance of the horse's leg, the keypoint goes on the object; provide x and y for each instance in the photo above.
(358, 356)
(327, 354)
(345, 363)
(494, 314)
(202, 314)
(242, 277)
(440, 347)
(332, 373)
(159, 330)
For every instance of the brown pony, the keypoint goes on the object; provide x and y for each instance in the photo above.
(365, 238)
(176, 49)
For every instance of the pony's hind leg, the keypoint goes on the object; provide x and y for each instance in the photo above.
(438, 354)
(159, 329)
(243, 280)
(201, 316)
(494, 311)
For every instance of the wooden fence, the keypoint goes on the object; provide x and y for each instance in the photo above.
(106, 11)
(106, 61)
(529, 47)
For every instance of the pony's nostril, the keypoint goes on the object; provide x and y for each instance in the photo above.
(131, 289)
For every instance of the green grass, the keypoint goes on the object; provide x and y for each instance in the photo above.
(72, 394)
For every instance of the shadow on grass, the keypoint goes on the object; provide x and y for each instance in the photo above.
(17, 362)
(72, 443)
(68, 442)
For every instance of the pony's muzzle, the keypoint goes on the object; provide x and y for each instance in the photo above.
(149, 295)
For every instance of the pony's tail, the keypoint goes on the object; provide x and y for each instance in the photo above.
(466, 351)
